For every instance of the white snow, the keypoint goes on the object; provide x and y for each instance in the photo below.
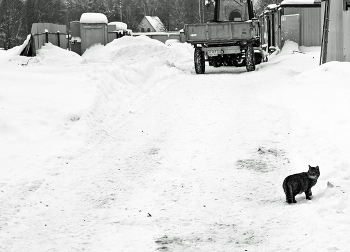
(93, 18)
(285, 2)
(271, 6)
(126, 149)
(119, 25)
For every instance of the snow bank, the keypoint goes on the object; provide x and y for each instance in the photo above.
(126, 48)
(133, 68)
(315, 100)
(140, 51)
(289, 47)
(51, 55)
(7, 55)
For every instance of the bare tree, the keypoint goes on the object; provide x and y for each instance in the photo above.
(10, 22)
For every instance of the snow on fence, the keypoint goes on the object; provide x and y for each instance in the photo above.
(46, 32)
(42, 33)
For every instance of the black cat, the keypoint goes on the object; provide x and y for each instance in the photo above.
(299, 183)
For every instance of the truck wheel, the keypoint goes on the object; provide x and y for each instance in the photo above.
(199, 61)
(250, 59)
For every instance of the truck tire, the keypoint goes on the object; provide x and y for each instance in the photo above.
(250, 58)
(199, 61)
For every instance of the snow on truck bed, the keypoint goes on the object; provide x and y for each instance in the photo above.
(126, 149)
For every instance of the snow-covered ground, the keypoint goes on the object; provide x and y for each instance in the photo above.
(127, 149)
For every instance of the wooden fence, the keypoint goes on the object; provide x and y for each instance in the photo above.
(42, 33)
(46, 32)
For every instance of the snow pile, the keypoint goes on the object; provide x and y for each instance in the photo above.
(72, 102)
(6, 56)
(138, 65)
(126, 48)
(50, 55)
(140, 50)
(290, 47)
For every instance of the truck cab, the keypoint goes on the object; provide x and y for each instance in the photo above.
(232, 10)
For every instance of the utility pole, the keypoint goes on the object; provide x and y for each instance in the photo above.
(121, 10)
(199, 11)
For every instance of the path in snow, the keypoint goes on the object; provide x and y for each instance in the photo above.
(198, 168)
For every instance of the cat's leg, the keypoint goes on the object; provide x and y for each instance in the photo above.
(308, 194)
(291, 200)
(290, 195)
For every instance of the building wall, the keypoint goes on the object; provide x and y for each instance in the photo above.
(310, 25)
(346, 40)
(335, 35)
(277, 23)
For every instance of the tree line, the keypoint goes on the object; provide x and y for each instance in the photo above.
(17, 16)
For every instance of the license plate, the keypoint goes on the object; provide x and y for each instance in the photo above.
(213, 53)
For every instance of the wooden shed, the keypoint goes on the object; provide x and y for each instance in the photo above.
(295, 20)
(336, 30)
(301, 22)
(270, 21)
(151, 24)
(93, 30)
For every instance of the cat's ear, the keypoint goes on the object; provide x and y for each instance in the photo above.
(317, 167)
(309, 166)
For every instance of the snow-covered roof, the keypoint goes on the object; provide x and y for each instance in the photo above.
(119, 25)
(272, 6)
(156, 23)
(93, 18)
(300, 2)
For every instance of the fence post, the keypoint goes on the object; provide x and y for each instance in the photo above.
(58, 39)
(47, 35)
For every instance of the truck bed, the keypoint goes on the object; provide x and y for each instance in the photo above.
(220, 32)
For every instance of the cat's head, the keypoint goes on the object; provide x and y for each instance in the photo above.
(313, 172)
